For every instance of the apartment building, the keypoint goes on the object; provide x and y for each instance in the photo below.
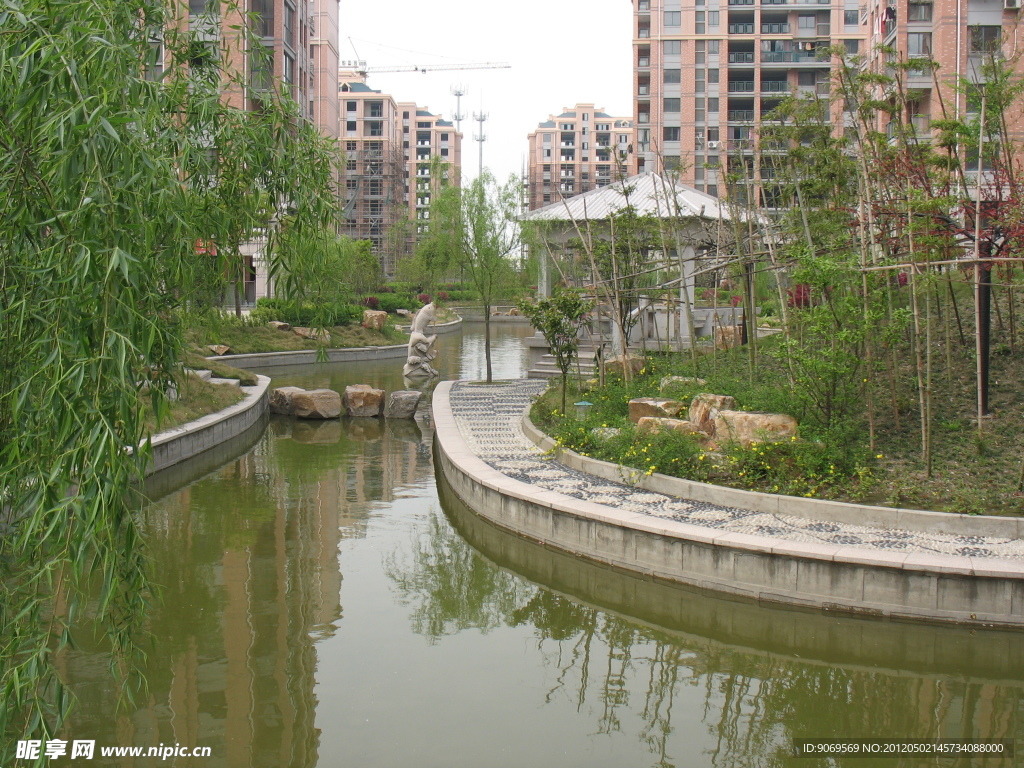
(960, 35)
(581, 149)
(707, 71)
(389, 147)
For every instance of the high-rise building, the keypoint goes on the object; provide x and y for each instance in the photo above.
(706, 73)
(581, 149)
(389, 149)
(961, 36)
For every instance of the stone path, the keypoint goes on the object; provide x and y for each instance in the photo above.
(489, 418)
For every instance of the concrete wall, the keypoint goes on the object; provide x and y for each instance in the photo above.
(816, 576)
(182, 443)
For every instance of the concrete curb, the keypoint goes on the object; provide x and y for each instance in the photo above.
(257, 360)
(181, 443)
(978, 591)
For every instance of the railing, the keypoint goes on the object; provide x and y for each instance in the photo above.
(741, 86)
(768, 57)
(774, 86)
(741, 29)
(775, 29)
(741, 57)
(740, 115)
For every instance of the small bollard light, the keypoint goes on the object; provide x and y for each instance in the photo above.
(582, 409)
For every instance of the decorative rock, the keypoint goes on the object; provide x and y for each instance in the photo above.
(728, 336)
(514, 312)
(374, 319)
(311, 333)
(605, 433)
(615, 364)
(403, 312)
(316, 404)
(701, 408)
(677, 382)
(219, 349)
(362, 401)
(640, 407)
(402, 404)
(278, 325)
(281, 400)
(746, 428)
(655, 425)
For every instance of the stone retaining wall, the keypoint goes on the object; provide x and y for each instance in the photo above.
(181, 443)
(982, 591)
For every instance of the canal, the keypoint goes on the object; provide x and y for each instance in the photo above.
(327, 602)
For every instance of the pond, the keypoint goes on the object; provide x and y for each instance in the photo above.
(327, 602)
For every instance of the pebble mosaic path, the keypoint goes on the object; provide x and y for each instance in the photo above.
(489, 418)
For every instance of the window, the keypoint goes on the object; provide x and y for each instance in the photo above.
(673, 18)
(671, 105)
(262, 15)
(373, 128)
(672, 75)
(919, 12)
(807, 22)
(289, 25)
(196, 7)
(672, 47)
(374, 109)
(713, 47)
(405, 115)
(671, 162)
(852, 18)
(289, 68)
(852, 46)
(350, 106)
(670, 134)
(699, 52)
(712, 105)
(713, 18)
(807, 78)
(712, 75)
(351, 183)
(985, 39)
(713, 134)
(350, 146)
(350, 125)
(444, 137)
(699, 25)
(920, 43)
(423, 125)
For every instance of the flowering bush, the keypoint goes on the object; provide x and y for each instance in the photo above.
(371, 302)
(424, 298)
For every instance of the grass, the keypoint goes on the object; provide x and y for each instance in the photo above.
(970, 475)
(196, 398)
(244, 339)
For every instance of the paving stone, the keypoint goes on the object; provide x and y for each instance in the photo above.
(489, 419)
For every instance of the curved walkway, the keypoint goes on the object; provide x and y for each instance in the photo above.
(490, 419)
(916, 572)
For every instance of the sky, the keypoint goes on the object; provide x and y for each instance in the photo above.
(561, 53)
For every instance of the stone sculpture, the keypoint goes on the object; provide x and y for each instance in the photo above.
(417, 365)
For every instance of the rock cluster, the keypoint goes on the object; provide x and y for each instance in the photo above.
(358, 401)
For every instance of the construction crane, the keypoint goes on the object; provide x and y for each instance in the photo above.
(360, 66)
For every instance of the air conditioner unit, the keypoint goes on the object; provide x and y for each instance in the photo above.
(712, 145)
(1011, 5)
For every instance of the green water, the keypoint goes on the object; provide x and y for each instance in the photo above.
(326, 602)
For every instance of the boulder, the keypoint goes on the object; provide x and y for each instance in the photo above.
(654, 425)
(605, 433)
(402, 404)
(279, 326)
(728, 336)
(281, 400)
(312, 333)
(316, 404)
(746, 428)
(617, 364)
(363, 401)
(404, 312)
(374, 319)
(219, 349)
(679, 382)
(653, 406)
(701, 410)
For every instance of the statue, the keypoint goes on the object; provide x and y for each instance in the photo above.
(417, 365)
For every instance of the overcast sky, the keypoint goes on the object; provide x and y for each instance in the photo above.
(561, 53)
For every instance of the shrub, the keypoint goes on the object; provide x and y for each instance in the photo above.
(443, 295)
(371, 302)
(424, 298)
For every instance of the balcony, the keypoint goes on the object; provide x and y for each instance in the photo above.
(774, 86)
(776, 57)
(740, 115)
(741, 2)
(643, 62)
(742, 57)
(741, 86)
(741, 29)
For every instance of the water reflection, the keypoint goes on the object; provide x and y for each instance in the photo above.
(321, 609)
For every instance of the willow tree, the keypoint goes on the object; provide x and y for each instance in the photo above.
(97, 253)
